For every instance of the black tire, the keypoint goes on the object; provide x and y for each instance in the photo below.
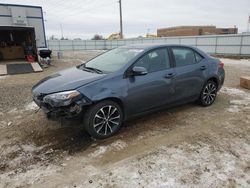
(208, 93)
(103, 119)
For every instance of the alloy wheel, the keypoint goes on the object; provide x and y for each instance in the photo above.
(106, 120)
(209, 93)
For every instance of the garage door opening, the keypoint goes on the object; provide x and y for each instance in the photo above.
(16, 43)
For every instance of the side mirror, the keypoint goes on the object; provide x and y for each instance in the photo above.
(139, 71)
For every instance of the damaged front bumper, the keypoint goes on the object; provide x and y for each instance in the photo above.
(55, 112)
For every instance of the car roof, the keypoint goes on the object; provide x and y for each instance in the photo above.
(146, 46)
(150, 46)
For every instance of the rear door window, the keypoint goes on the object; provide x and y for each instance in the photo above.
(184, 56)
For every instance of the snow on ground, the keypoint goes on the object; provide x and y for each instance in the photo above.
(117, 146)
(234, 92)
(34, 174)
(242, 103)
(199, 164)
(245, 62)
(16, 159)
(31, 106)
(3, 77)
(13, 111)
(191, 163)
(18, 114)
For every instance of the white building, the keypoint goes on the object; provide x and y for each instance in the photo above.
(20, 26)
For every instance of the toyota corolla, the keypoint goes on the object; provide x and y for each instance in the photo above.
(127, 82)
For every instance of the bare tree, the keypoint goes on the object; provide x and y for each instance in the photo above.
(97, 37)
(52, 37)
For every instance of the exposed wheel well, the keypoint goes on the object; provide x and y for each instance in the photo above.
(214, 80)
(116, 100)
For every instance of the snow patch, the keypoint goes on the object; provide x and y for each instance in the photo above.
(244, 102)
(118, 145)
(3, 77)
(31, 106)
(30, 148)
(34, 174)
(233, 91)
(234, 109)
(189, 165)
(99, 151)
(237, 105)
(26, 164)
(115, 146)
(13, 111)
(243, 62)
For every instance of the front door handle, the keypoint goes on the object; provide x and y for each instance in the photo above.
(170, 75)
(203, 67)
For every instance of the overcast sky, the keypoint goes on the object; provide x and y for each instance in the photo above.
(84, 18)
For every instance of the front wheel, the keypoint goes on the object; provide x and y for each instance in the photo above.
(208, 94)
(103, 119)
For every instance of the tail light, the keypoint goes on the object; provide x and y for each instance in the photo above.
(221, 65)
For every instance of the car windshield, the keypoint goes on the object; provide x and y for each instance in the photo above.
(112, 60)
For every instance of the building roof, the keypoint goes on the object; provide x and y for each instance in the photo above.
(188, 27)
(18, 5)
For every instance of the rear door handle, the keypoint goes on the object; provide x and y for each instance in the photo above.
(170, 75)
(203, 67)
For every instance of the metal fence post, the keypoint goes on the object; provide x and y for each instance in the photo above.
(216, 44)
(196, 41)
(241, 43)
(104, 45)
(59, 45)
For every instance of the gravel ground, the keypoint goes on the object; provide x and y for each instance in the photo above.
(187, 146)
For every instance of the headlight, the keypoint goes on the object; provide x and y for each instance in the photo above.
(61, 98)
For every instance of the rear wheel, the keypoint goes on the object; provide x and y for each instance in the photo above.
(208, 94)
(103, 119)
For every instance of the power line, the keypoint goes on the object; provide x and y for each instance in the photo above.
(72, 6)
(78, 12)
(58, 4)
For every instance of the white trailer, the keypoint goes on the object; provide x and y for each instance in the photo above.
(21, 27)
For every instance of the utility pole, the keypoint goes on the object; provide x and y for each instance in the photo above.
(61, 30)
(121, 27)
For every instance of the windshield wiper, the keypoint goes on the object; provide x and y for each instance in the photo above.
(92, 69)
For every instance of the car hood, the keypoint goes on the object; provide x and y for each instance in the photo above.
(68, 79)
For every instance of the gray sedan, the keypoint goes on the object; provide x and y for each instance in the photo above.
(127, 82)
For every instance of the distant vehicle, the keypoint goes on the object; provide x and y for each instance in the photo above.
(114, 36)
(151, 35)
(128, 82)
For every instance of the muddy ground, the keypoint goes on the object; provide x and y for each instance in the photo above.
(187, 146)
